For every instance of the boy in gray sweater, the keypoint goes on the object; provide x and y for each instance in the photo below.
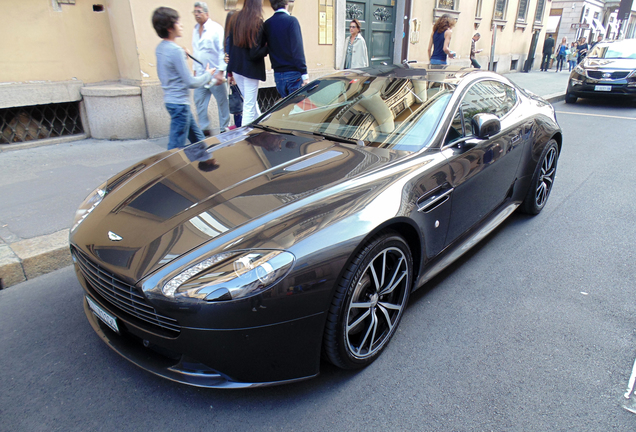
(176, 79)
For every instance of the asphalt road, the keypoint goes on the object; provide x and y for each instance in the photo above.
(532, 330)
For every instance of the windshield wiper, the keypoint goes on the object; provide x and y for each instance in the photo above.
(273, 129)
(342, 139)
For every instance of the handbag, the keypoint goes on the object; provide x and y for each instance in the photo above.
(236, 100)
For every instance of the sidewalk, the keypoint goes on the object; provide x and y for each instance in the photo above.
(41, 187)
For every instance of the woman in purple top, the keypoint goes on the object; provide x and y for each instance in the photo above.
(438, 46)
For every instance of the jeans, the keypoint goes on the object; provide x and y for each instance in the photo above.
(202, 100)
(438, 62)
(182, 126)
(572, 64)
(560, 61)
(475, 64)
(249, 90)
(288, 82)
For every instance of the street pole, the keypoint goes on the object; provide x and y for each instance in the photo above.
(491, 66)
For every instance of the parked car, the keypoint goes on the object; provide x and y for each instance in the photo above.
(241, 260)
(608, 71)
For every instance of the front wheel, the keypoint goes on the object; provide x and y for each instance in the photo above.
(542, 180)
(570, 98)
(369, 302)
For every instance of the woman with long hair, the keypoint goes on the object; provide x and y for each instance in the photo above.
(247, 55)
(438, 46)
(561, 53)
(356, 55)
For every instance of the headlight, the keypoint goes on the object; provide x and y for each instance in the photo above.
(231, 275)
(632, 74)
(579, 70)
(89, 204)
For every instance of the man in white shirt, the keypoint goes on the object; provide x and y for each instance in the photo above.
(208, 48)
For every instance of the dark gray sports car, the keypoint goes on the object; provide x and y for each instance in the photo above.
(242, 260)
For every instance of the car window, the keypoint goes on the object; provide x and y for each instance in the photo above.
(490, 97)
(456, 129)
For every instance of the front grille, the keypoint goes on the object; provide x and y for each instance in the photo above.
(613, 75)
(124, 298)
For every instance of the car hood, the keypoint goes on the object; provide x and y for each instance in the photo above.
(171, 205)
(601, 63)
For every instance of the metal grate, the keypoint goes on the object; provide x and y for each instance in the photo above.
(267, 97)
(22, 124)
(124, 298)
(613, 75)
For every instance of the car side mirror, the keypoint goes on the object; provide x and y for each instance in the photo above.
(485, 125)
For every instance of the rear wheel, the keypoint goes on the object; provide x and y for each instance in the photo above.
(369, 302)
(542, 180)
(570, 98)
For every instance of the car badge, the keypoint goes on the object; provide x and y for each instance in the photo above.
(607, 75)
(114, 237)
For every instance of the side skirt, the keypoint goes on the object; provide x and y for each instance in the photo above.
(459, 249)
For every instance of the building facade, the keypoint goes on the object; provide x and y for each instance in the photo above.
(88, 68)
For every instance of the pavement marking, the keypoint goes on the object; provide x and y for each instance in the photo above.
(596, 115)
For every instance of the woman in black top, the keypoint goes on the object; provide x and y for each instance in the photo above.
(247, 55)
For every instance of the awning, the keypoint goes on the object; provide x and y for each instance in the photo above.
(553, 24)
(596, 24)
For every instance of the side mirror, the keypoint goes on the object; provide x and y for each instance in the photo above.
(485, 125)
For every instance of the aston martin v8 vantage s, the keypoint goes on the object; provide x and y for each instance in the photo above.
(244, 259)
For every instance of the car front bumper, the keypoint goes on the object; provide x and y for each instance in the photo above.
(582, 86)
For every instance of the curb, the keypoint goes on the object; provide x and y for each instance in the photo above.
(27, 259)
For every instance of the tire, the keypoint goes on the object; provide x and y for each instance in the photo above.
(369, 302)
(542, 180)
(570, 98)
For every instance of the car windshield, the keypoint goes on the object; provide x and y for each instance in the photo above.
(615, 51)
(397, 113)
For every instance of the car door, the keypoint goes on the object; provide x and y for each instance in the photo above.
(482, 170)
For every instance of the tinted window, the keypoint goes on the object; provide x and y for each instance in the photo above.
(489, 97)
(615, 50)
(398, 113)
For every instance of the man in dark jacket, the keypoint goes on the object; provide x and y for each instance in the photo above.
(285, 45)
(548, 47)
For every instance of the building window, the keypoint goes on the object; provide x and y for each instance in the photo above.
(595, 15)
(500, 9)
(447, 4)
(538, 17)
(478, 9)
(513, 65)
(522, 13)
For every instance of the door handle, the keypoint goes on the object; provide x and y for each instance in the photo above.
(515, 138)
(430, 201)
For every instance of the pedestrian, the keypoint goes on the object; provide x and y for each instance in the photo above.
(581, 49)
(561, 52)
(235, 97)
(247, 55)
(599, 38)
(572, 54)
(285, 46)
(176, 79)
(207, 46)
(439, 44)
(474, 51)
(356, 54)
(548, 47)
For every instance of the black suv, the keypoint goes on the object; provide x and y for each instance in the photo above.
(609, 70)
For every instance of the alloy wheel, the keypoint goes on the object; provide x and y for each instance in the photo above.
(546, 177)
(377, 303)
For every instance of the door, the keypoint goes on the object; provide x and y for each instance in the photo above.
(483, 171)
(377, 19)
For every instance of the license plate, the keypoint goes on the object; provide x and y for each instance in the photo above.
(602, 88)
(104, 316)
